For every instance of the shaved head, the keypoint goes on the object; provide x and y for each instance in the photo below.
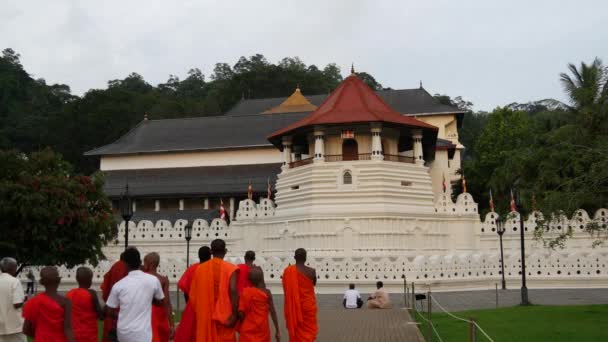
(49, 277)
(84, 277)
(218, 248)
(256, 276)
(300, 255)
(152, 260)
(8, 265)
(204, 254)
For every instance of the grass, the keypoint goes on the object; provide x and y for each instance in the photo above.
(531, 323)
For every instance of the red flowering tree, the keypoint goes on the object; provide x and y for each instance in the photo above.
(49, 216)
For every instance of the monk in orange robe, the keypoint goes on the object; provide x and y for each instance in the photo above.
(85, 307)
(186, 330)
(48, 316)
(243, 280)
(254, 305)
(299, 283)
(118, 271)
(214, 297)
(162, 316)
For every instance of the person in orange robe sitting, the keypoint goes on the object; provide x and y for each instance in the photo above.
(85, 307)
(186, 330)
(118, 271)
(243, 280)
(214, 297)
(48, 316)
(299, 283)
(162, 316)
(254, 305)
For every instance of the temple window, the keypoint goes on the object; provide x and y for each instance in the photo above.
(347, 178)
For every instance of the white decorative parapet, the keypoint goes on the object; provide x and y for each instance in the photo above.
(465, 204)
(247, 211)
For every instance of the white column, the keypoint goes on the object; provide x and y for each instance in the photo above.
(156, 205)
(286, 152)
(134, 205)
(231, 208)
(206, 203)
(417, 137)
(181, 204)
(319, 145)
(377, 141)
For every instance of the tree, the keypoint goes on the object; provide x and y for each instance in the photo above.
(369, 80)
(50, 216)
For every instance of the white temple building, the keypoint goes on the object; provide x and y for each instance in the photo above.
(357, 179)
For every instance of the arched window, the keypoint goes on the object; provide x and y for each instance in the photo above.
(347, 178)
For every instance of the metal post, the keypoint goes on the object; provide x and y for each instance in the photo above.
(472, 330)
(187, 254)
(404, 292)
(524, 289)
(496, 295)
(429, 311)
(413, 297)
(126, 233)
(502, 259)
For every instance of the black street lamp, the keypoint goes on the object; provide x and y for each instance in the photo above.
(126, 208)
(188, 234)
(500, 229)
(524, 289)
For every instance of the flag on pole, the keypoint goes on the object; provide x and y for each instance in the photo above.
(464, 184)
(443, 183)
(222, 210)
(269, 193)
(491, 202)
(250, 191)
(513, 206)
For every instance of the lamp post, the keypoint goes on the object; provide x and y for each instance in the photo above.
(524, 289)
(500, 229)
(126, 208)
(188, 234)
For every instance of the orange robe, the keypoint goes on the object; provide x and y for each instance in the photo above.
(210, 299)
(84, 316)
(253, 303)
(47, 317)
(160, 315)
(118, 271)
(243, 280)
(300, 306)
(186, 329)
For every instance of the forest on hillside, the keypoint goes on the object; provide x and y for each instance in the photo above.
(555, 156)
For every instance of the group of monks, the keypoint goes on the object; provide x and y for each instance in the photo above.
(224, 303)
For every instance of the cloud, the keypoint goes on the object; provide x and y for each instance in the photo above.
(490, 52)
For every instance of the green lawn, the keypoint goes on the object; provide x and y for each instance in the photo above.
(532, 323)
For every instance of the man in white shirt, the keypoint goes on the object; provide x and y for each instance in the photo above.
(11, 301)
(133, 296)
(352, 298)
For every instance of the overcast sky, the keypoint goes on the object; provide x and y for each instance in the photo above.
(490, 52)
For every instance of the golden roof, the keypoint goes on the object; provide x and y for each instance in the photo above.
(295, 103)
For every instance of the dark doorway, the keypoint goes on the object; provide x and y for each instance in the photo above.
(350, 150)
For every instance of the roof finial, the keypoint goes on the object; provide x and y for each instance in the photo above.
(145, 116)
(297, 86)
(420, 84)
(352, 68)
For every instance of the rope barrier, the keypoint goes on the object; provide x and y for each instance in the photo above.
(460, 318)
(432, 325)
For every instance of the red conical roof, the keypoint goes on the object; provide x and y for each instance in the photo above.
(353, 102)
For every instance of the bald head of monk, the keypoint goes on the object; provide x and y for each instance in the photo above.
(84, 277)
(204, 254)
(49, 278)
(8, 265)
(151, 261)
(218, 248)
(256, 276)
(300, 256)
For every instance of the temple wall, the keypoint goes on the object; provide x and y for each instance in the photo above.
(245, 156)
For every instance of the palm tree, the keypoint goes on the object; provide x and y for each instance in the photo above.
(588, 92)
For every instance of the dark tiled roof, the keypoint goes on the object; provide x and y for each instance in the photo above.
(203, 133)
(405, 101)
(172, 216)
(192, 181)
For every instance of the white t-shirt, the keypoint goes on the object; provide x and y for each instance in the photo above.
(11, 293)
(134, 294)
(351, 297)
